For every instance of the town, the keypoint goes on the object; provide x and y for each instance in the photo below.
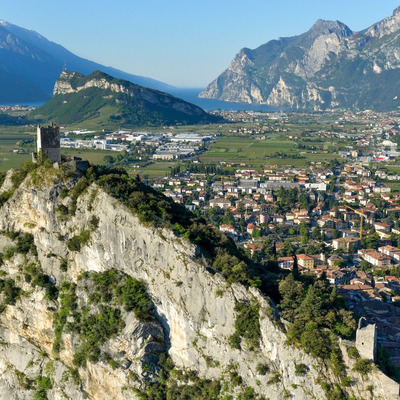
(315, 192)
(338, 218)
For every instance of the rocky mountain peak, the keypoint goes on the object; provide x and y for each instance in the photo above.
(396, 11)
(318, 67)
(324, 27)
(387, 26)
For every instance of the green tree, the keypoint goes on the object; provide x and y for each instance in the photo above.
(108, 160)
(292, 293)
(304, 229)
(316, 233)
(371, 241)
(286, 249)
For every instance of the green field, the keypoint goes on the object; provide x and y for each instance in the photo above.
(392, 169)
(154, 170)
(9, 136)
(395, 186)
(253, 150)
(93, 156)
(258, 152)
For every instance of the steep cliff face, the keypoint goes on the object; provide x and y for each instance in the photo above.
(194, 309)
(327, 67)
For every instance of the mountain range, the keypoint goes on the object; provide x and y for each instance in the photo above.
(328, 67)
(108, 102)
(30, 64)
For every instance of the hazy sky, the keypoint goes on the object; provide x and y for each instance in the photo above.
(181, 42)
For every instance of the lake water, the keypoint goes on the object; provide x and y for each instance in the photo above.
(191, 95)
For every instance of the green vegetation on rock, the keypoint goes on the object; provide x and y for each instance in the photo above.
(101, 317)
(129, 105)
(247, 326)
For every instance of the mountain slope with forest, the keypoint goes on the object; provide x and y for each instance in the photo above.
(114, 102)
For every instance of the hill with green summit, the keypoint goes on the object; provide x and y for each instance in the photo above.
(108, 101)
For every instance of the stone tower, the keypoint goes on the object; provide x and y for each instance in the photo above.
(48, 142)
(366, 340)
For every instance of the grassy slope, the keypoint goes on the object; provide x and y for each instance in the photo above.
(109, 109)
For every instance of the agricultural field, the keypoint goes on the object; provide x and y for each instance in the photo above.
(13, 139)
(153, 170)
(277, 150)
(395, 186)
(255, 143)
(9, 138)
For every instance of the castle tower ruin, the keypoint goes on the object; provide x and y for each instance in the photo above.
(366, 339)
(48, 142)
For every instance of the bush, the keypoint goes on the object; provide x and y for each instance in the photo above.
(11, 292)
(345, 381)
(64, 192)
(135, 298)
(76, 242)
(262, 368)
(43, 384)
(75, 192)
(45, 282)
(63, 211)
(126, 291)
(68, 304)
(363, 366)
(276, 378)
(353, 353)
(64, 265)
(94, 222)
(94, 330)
(247, 325)
(300, 369)
(24, 244)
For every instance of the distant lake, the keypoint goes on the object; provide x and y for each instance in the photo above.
(25, 104)
(191, 95)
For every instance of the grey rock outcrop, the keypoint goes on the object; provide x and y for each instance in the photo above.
(194, 309)
(325, 68)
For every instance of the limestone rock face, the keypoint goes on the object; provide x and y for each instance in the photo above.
(299, 72)
(194, 309)
(63, 84)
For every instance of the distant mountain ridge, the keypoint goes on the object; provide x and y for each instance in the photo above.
(30, 65)
(328, 67)
(109, 101)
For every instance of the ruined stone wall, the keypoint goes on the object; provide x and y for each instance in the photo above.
(366, 340)
(48, 141)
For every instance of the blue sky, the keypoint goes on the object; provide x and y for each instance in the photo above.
(185, 43)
